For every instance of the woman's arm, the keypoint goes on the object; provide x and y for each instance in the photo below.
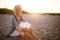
(10, 28)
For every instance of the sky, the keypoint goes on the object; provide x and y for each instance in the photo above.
(34, 6)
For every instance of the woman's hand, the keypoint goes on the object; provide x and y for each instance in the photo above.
(24, 29)
(18, 28)
(27, 29)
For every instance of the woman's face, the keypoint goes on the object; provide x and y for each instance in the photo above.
(18, 10)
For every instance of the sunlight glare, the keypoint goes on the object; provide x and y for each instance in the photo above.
(34, 6)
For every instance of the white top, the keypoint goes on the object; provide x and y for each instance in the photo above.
(25, 25)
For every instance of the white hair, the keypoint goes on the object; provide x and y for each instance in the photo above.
(18, 6)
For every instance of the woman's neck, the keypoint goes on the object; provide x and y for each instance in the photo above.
(18, 14)
(18, 17)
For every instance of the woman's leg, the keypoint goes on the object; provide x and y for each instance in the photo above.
(30, 34)
(34, 36)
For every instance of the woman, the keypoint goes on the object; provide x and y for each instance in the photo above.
(15, 20)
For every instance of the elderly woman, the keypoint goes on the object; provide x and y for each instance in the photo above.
(14, 24)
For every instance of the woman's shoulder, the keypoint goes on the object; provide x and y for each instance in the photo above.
(12, 17)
